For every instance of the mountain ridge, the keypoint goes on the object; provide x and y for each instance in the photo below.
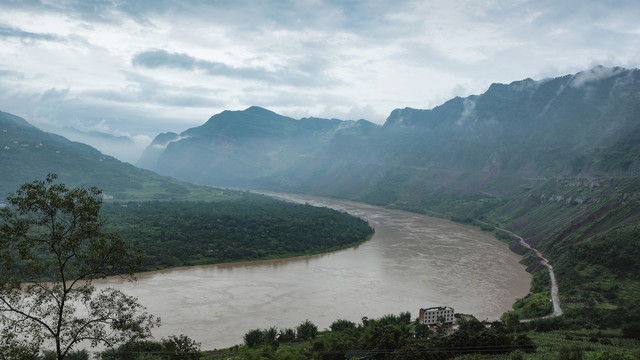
(531, 111)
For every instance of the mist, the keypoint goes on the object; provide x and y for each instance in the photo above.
(125, 148)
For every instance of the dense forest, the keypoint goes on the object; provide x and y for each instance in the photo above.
(179, 233)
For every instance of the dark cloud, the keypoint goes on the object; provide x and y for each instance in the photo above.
(160, 58)
(9, 32)
(307, 71)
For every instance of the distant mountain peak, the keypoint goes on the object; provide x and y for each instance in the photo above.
(258, 110)
(520, 100)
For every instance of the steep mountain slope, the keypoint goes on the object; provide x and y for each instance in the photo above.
(529, 128)
(27, 153)
(512, 135)
(235, 148)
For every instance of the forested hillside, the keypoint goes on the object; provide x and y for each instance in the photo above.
(27, 153)
(252, 227)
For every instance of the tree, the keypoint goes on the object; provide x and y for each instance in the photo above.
(180, 348)
(306, 330)
(342, 325)
(271, 337)
(52, 246)
(286, 335)
(253, 338)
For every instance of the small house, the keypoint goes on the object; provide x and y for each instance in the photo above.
(437, 315)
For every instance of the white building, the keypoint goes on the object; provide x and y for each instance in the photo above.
(436, 314)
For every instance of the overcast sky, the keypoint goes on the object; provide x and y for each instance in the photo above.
(141, 67)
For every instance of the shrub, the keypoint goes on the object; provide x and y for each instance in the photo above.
(271, 337)
(307, 330)
(73, 355)
(342, 325)
(181, 348)
(286, 335)
(253, 338)
(131, 350)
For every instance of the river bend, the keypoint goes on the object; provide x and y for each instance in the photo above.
(412, 261)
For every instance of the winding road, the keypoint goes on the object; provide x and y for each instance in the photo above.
(557, 310)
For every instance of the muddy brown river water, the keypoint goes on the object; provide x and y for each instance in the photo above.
(412, 261)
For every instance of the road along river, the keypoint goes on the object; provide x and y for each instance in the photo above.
(412, 261)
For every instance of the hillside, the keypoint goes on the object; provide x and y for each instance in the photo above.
(27, 153)
(555, 160)
(581, 125)
(236, 148)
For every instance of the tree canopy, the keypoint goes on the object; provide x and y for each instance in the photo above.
(52, 245)
(252, 227)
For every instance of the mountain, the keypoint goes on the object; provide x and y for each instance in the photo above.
(27, 153)
(532, 128)
(555, 160)
(517, 134)
(234, 148)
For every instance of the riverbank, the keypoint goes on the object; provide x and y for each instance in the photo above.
(557, 310)
(411, 262)
(271, 261)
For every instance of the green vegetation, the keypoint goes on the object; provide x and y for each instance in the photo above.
(27, 153)
(172, 348)
(602, 272)
(52, 246)
(389, 337)
(537, 303)
(251, 227)
(395, 337)
(49, 229)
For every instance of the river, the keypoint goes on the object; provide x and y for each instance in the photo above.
(412, 261)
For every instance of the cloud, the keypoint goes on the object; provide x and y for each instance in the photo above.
(84, 112)
(146, 90)
(10, 32)
(306, 71)
(161, 58)
(54, 95)
(468, 113)
(594, 74)
(154, 59)
(11, 74)
(102, 11)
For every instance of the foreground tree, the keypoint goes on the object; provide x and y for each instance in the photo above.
(52, 245)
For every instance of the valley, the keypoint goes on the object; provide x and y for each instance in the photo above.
(412, 261)
(553, 162)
